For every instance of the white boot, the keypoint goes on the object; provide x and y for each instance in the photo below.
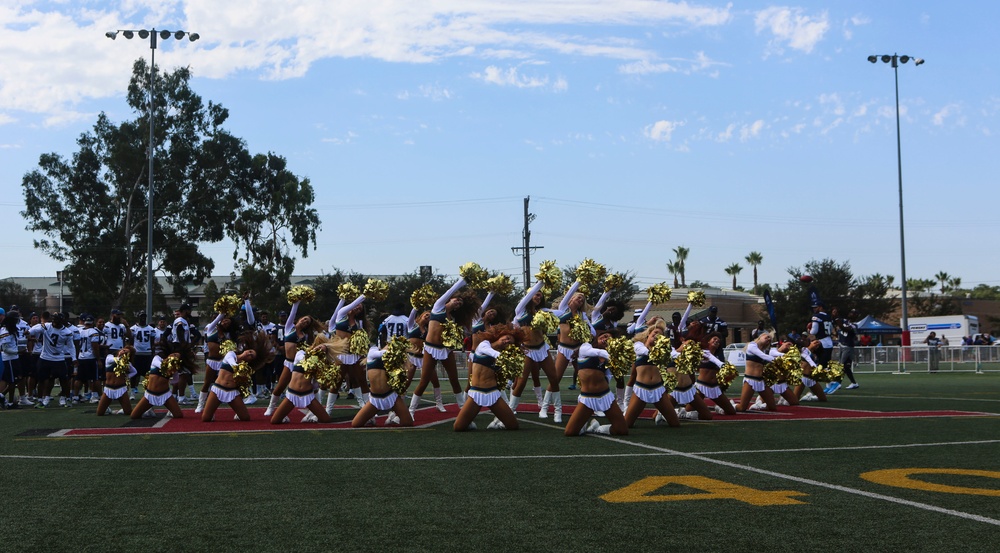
(358, 396)
(620, 397)
(538, 394)
(514, 402)
(438, 402)
(603, 429)
(460, 399)
(202, 398)
(275, 401)
(556, 407)
(414, 403)
(628, 398)
(331, 403)
(496, 425)
(591, 427)
(543, 407)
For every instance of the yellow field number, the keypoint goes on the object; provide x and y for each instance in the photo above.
(644, 491)
(903, 478)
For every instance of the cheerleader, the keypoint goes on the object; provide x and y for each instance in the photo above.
(382, 397)
(297, 331)
(758, 353)
(536, 348)
(484, 390)
(648, 383)
(157, 393)
(416, 331)
(808, 363)
(301, 390)
(345, 324)
(459, 309)
(226, 389)
(686, 393)
(595, 393)
(571, 307)
(116, 385)
(708, 372)
(483, 320)
(606, 317)
(217, 331)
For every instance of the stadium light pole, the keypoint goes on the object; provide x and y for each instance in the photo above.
(151, 34)
(895, 60)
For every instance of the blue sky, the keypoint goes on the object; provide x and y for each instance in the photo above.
(635, 126)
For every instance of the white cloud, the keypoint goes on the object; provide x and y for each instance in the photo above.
(509, 77)
(852, 22)
(751, 131)
(791, 27)
(726, 135)
(662, 131)
(282, 39)
(698, 63)
(944, 113)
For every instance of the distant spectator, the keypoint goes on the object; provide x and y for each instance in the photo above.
(713, 323)
(933, 351)
(866, 340)
(755, 333)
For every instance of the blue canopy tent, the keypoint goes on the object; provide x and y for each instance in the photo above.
(871, 325)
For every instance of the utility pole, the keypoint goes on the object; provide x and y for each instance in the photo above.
(526, 247)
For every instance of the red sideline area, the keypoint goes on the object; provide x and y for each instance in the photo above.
(430, 416)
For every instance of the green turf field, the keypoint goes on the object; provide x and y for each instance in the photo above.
(757, 485)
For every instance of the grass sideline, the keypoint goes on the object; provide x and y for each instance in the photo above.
(430, 489)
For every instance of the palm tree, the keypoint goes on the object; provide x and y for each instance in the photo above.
(674, 269)
(732, 271)
(943, 277)
(954, 283)
(681, 254)
(754, 259)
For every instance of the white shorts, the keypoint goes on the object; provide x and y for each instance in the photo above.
(348, 358)
(485, 397)
(711, 391)
(416, 360)
(601, 402)
(779, 388)
(437, 353)
(383, 402)
(300, 400)
(157, 400)
(756, 383)
(682, 396)
(539, 354)
(115, 393)
(566, 352)
(225, 395)
(648, 394)
(213, 364)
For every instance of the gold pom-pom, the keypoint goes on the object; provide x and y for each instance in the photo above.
(122, 362)
(659, 293)
(313, 365)
(622, 355)
(659, 354)
(474, 275)
(423, 298)
(452, 337)
(545, 322)
(359, 343)
(690, 357)
(376, 290)
(226, 347)
(169, 366)
(820, 373)
(793, 374)
(696, 298)
(590, 272)
(614, 281)
(301, 293)
(509, 365)
(727, 372)
(836, 371)
(243, 377)
(579, 331)
(669, 379)
(394, 361)
(773, 372)
(328, 375)
(500, 285)
(348, 291)
(550, 275)
(228, 305)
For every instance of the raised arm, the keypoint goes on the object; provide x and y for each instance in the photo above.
(215, 322)
(523, 304)
(587, 350)
(486, 348)
(343, 311)
(600, 303)
(754, 349)
(332, 323)
(290, 321)
(251, 320)
(641, 321)
(411, 323)
(440, 303)
(564, 304)
(682, 326)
